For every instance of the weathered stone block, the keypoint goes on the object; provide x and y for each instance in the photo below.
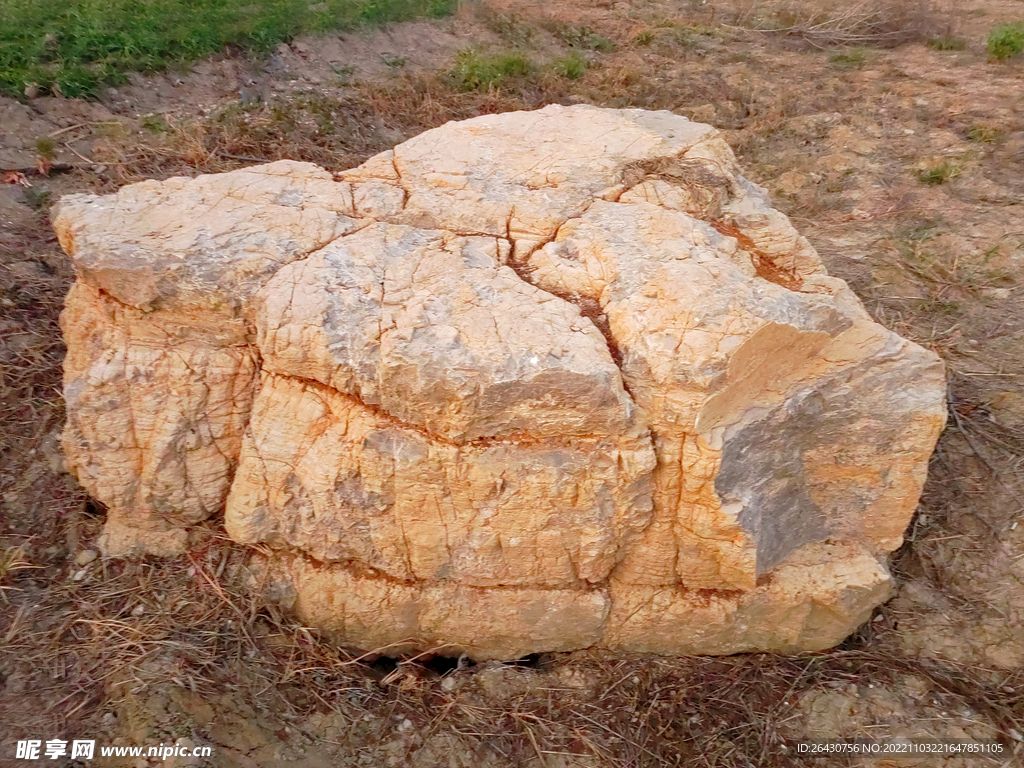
(529, 382)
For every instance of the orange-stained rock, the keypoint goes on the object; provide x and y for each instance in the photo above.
(529, 382)
(323, 473)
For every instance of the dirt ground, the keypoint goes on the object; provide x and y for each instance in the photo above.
(903, 164)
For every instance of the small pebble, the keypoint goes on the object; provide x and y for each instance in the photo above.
(138, 610)
(86, 556)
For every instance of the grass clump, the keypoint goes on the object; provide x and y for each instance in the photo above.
(983, 134)
(510, 27)
(46, 147)
(852, 59)
(666, 34)
(393, 62)
(573, 66)
(939, 174)
(74, 47)
(475, 72)
(947, 43)
(579, 37)
(644, 37)
(1006, 40)
(155, 123)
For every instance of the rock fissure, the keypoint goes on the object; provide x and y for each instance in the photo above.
(523, 439)
(590, 308)
(356, 569)
(763, 263)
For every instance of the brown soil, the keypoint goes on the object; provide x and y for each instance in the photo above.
(903, 164)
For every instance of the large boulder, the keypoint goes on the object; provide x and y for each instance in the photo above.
(530, 382)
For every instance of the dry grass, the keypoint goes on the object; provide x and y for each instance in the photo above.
(12, 560)
(334, 132)
(877, 23)
(128, 627)
(30, 368)
(131, 628)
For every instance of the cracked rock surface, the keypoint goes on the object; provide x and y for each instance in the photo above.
(530, 382)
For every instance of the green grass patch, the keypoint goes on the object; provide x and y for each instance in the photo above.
(948, 43)
(939, 174)
(644, 37)
(855, 58)
(1006, 40)
(75, 47)
(573, 66)
(578, 37)
(666, 34)
(155, 123)
(46, 148)
(474, 71)
(984, 134)
(37, 199)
